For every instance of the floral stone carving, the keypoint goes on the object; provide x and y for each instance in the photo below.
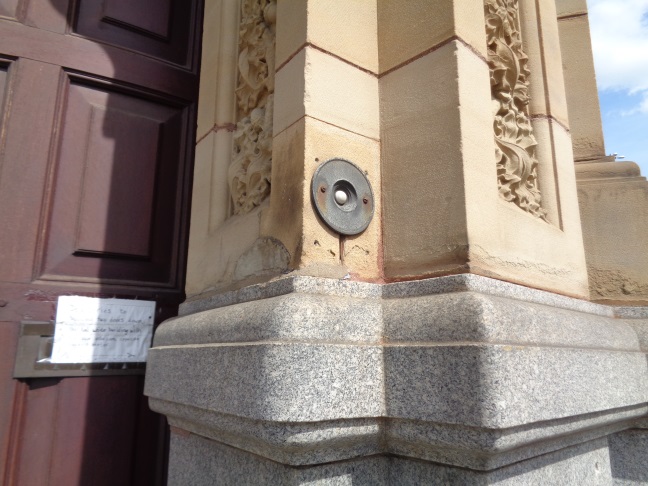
(517, 166)
(249, 172)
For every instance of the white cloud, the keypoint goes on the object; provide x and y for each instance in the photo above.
(619, 31)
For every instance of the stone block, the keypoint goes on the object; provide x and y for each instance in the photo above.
(519, 384)
(359, 254)
(407, 30)
(289, 94)
(341, 94)
(213, 254)
(583, 464)
(216, 117)
(347, 29)
(424, 217)
(501, 246)
(195, 460)
(321, 86)
(216, 100)
(288, 173)
(280, 382)
(570, 7)
(292, 18)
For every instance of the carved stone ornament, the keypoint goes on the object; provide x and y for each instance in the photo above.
(249, 172)
(517, 166)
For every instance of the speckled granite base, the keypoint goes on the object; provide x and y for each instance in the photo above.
(196, 461)
(464, 371)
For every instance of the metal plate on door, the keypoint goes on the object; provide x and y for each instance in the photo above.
(342, 196)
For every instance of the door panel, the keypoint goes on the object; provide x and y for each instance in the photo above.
(126, 229)
(33, 468)
(48, 15)
(80, 451)
(31, 104)
(111, 460)
(112, 220)
(155, 27)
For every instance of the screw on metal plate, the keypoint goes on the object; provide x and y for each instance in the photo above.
(342, 196)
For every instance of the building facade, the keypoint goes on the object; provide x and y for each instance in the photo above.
(409, 258)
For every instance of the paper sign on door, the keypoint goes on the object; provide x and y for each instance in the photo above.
(91, 330)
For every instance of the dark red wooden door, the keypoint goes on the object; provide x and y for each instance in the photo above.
(97, 120)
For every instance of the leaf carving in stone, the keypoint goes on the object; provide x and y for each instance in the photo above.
(250, 171)
(517, 166)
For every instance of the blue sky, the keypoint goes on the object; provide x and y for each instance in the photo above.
(619, 31)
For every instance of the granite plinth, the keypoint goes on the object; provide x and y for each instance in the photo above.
(464, 371)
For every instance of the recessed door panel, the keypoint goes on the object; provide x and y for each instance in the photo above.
(121, 147)
(114, 207)
(160, 28)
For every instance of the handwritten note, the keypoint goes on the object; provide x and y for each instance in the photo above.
(90, 330)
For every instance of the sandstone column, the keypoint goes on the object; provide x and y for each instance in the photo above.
(476, 150)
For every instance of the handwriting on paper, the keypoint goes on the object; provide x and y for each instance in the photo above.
(91, 330)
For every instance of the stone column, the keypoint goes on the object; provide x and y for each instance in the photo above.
(613, 195)
(449, 342)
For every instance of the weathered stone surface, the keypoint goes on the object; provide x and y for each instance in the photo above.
(613, 198)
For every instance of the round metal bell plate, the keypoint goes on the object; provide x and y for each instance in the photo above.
(342, 196)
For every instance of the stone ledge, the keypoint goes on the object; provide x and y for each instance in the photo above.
(302, 444)
(293, 443)
(457, 309)
(606, 171)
